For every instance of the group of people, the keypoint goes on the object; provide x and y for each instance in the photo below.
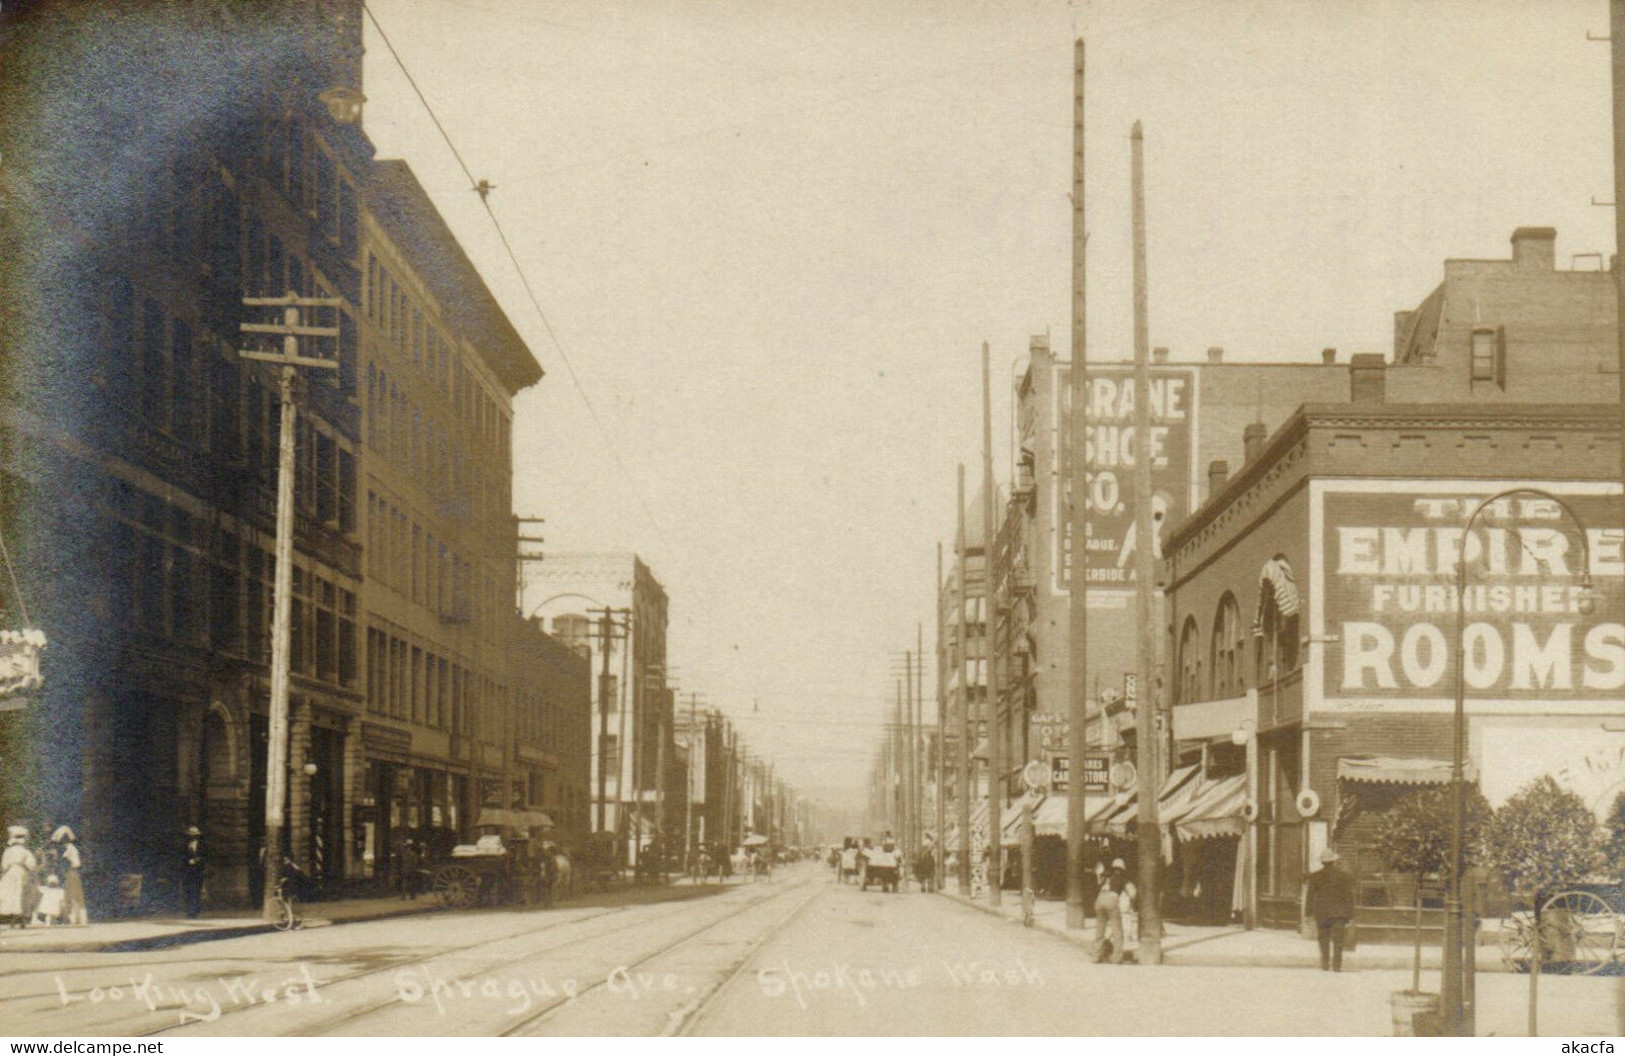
(42, 887)
(857, 859)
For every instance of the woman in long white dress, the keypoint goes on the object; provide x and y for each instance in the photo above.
(73, 886)
(17, 865)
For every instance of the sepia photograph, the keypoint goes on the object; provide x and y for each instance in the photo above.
(774, 518)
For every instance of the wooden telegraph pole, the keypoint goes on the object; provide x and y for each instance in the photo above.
(995, 739)
(964, 782)
(1077, 868)
(942, 729)
(289, 359)
(1145, 737)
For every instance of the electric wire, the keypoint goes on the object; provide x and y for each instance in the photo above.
(524, 279)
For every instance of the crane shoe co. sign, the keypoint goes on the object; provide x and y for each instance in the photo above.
(1534, 633)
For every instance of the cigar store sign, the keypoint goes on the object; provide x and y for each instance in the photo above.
(1534, 636)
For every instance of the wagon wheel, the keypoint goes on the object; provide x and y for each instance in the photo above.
(457, 886)
(1578, 933)
(1517, 940)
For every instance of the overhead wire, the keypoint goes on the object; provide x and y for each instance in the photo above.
(483, 190)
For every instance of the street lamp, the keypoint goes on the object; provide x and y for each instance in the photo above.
(1452, 969)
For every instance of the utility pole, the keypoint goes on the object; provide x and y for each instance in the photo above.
(897, 785)
(1075, 554)
(688, 779)
(916, 743)
(1145, 736)
(942, 745)
(990, 622)
(289, 359)
(962, 800)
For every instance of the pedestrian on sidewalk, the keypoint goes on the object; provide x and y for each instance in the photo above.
(925, 866)
(17, 866)
(1331, 903)
(49, 910)
(192, 866)
(409, 871)
(71, 864)
(1115, 891)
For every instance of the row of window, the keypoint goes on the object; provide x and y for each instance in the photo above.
(422, 344)
(406, 681)
(429, 450)
(1219, 668)
(300, 164)
(414, 563)
(174, 577)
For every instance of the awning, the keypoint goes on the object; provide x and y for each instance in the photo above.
(1122, 817)
(982, 750)
(1277, 577)
(517, 819)
(1398, 771)
(1050, 817)
(1210, 719)
(1215, 810)
(1011, 830)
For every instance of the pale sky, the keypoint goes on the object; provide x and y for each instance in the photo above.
(771, 237)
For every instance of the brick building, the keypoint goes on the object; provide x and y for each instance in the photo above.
(140, 455)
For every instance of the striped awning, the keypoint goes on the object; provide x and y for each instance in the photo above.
(1215, 810)
(1381, 768)
(1121, 821)
(1276, 577)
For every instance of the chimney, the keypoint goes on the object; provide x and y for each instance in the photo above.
(1328, 356)
(1535, 247)
(1367, 378)
(1215, 354)
(1252, 442)
(1217, 472)
(1159, 355)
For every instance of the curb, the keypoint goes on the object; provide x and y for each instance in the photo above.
(199, 935)
(1195, 957)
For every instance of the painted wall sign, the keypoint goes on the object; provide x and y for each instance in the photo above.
(1109, 452)
(1384, 607)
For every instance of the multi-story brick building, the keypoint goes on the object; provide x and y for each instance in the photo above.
(1282, 626)
(141, 458)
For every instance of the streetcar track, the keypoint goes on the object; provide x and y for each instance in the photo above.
(684, 1020)
(397, 965)
(544, 1014)
(327, 1026)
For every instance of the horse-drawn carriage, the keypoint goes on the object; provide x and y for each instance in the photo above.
(505, 865)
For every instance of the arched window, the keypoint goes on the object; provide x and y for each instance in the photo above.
(1189, 688)
(1226, 650)
(1277, 621)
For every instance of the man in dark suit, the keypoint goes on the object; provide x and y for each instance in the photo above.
(192, 871)
(1331, 903)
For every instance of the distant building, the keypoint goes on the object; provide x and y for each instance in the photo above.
(632, 729)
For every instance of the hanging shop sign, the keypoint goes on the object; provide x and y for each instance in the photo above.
(20, 667)
(1096, 773)
(1109, 455)
(1535, 634)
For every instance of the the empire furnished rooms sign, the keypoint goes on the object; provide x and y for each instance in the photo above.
(1383, 607)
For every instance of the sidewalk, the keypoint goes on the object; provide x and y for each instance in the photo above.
(157, 932)
(1192, 944)
(145, 933)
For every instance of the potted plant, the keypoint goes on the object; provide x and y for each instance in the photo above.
(1541, 840)
(1414, 838)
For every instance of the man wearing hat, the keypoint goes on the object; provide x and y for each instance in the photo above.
(192, 871)
(1331, 903)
